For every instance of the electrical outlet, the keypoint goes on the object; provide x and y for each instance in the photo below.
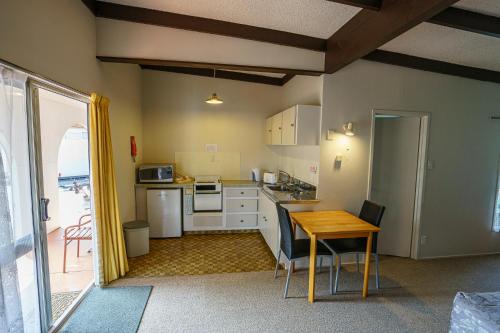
(423, 240)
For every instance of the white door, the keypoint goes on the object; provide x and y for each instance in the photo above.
(395, 160)
(269, 131)
(288, 133)
(276, 130)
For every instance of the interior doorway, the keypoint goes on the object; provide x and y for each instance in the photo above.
(64, 161)
(398, 147)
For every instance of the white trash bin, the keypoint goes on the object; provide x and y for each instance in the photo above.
(136, 238)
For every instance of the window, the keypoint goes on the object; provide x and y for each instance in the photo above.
(496, 209)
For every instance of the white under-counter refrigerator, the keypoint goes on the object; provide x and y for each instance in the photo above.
(164, 209)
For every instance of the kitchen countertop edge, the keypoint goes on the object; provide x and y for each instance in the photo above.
(289, 202)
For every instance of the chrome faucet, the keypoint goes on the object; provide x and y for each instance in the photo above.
(289, 179)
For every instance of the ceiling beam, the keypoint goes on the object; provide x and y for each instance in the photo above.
(431, 65)
(369, 29)
(366, 4)
(469, 21)
(451, 17)
(200, 24)
(220, 74)
(286, 78)
(91, 5)
(212, 66)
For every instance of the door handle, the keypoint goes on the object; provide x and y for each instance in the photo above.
(44, 209)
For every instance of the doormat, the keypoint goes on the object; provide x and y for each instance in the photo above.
(111, 309)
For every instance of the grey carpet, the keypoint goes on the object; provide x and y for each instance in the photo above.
(416, 296)
(115, 309)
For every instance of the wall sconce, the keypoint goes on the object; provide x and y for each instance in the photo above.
(348, 129)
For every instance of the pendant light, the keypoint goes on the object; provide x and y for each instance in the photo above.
(214, 99)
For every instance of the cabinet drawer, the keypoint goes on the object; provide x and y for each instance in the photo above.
(237, 193)
(237, 220)
(243, 205)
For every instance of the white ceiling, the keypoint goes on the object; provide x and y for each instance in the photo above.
(437, 42)
(134, 40)
(317, 18)
(452, 45)
(488, 7)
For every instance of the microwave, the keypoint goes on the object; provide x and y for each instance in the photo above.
(155, 173)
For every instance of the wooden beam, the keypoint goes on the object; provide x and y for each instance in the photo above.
(221, 74)
(367, 4)
(369, 29)
(91, 5)
(286, 78)
(469, 21)
(434, 66)
(200, 24)
(176, 63)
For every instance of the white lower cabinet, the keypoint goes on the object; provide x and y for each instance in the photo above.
(241, 220)
(241, 207)
(268, 223)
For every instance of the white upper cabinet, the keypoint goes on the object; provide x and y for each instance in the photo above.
(288, 132)
(269, 131)
(298, 125)
(277, 121)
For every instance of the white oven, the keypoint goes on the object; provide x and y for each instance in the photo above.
(207, 197)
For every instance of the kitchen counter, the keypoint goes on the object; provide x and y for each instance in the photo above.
(240, 183)
(166, 185)
(276, 196)
(225, 183)
(286, 198)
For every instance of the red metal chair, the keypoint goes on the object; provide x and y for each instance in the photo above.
(78, 232)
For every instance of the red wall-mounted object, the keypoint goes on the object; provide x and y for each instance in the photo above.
(133, 148)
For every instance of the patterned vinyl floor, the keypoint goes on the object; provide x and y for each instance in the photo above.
(195, 254)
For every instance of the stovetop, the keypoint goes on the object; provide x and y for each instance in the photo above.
(207, 179)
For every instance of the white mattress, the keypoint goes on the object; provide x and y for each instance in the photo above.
(476, 312)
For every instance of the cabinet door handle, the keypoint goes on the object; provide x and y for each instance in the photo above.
(292, 125)
(279, 128)
(242, 192)
(242, 206)
(242, 221)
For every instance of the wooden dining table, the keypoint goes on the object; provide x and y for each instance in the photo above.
(332, 225)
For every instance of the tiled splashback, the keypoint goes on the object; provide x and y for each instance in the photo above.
(226, 165)
(301, 162)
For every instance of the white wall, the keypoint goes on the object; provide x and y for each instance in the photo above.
(177, 119)
(464, 145)
(57, 39)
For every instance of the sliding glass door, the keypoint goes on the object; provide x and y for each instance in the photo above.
(19, 264)
(41, 125)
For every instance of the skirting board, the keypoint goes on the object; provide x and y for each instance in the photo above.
(459, 255)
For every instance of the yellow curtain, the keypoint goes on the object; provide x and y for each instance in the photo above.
(110, 243)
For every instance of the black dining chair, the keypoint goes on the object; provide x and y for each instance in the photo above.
(371, 213)
(294, 249)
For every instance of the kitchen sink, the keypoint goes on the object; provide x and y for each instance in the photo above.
(278, 188)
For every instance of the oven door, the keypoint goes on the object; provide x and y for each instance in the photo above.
(207, 201)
